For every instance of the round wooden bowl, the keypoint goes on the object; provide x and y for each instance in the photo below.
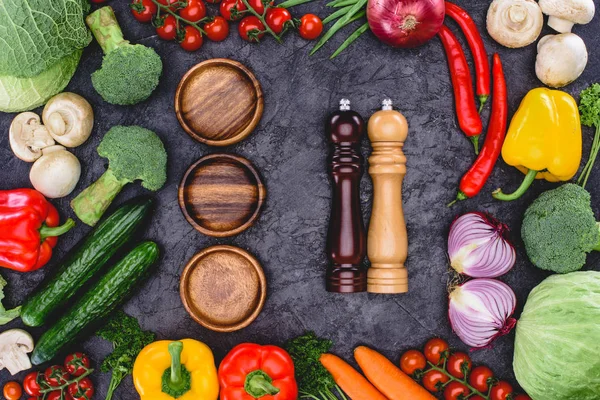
(223, 288)
(221, 195)
(219, 102)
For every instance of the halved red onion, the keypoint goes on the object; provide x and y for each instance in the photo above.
(480, 310)
(478, 247)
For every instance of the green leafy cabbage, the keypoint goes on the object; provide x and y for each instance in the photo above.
(557, 344)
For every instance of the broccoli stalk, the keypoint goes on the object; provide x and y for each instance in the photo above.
(129, 73)
(589, 107)
(134, 153)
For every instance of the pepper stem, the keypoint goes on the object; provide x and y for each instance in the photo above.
(529, 178)
(176, 381)
(46, 231)
(460, 196)
(475, 141)
(259, 384)
(175, 349)
(482, 100)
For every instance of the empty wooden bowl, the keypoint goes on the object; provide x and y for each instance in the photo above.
(219, 102)
(221, 195)
(223, 288)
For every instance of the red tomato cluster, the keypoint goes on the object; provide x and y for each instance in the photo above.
(452, 374)
(188, 23)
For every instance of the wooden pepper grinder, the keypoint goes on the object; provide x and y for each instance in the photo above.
(387, 240)
(346, 245)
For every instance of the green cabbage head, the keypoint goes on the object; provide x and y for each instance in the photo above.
(557, 345)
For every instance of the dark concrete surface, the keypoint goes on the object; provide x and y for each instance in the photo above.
(289, 148)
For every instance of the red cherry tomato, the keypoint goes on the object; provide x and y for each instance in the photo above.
(77, 364)
(143, 10)
(277, 18)
(521, 397)
(56, 395)
(479, 378)
(476, 397)
(457, 362)
(231, 9)
(82, 390)
(31, 384)
(434, 350)
(412, 361)
(258, 5)
(500, 391)
(194, 11)
(56, 375)
(192, 40)
(311, 27)
(251, 29)
(432, 378)
(217, 30)
(12, 391)
(171, 3)
(168, 29)
(455, 390)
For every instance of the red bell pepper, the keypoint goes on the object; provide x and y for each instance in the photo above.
(251, 371)
(28, 229)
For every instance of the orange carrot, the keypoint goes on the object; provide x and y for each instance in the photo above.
(388, 378)
(350, 380)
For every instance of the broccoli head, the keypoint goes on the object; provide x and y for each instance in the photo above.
(129, 73)
(559, 229)
(134, 153)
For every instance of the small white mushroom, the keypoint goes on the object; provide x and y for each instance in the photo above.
(27, 136)
(69, 119)
(565, 13)
(514, 23)
(15, 344)
(56, 173)
(561, 59)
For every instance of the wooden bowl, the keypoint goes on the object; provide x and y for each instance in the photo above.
(221, 195)
(223, 288)
(219, 102)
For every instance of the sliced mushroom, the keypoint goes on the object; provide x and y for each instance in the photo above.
(69, 119)
(15, 344)
(561, 59)
(27, 136)
(565, 13)
(56, 173)
(514, 23)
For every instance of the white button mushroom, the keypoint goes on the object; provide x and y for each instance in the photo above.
(565, 13)
(561, 59)
(56, 173)
(69, 119)
(14, 346)
(514, 23)
(27, 136)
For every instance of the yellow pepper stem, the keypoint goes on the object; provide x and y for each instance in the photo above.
(529, 178)
(176, 381)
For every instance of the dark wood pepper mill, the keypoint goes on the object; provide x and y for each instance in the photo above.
(346, 244)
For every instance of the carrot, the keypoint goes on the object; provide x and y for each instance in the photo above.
(350, 380)
(388, 378)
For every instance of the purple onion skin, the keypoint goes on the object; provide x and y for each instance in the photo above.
(421, 19)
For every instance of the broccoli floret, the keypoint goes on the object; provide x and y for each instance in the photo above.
(134, 153)
(559, 229)
(129, 73)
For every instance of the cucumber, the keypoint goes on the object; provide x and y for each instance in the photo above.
(107, 294)
(91, 254)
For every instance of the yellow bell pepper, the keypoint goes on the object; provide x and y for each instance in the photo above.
(544, 139)
(183, 370)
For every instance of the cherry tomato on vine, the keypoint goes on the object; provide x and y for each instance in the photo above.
(217, 30)
(251, 29)
(311, 27)
(56, 375)
(192, 40)
(171, 3)
(194, 11)
(434, 349)
(12, 391)
(457, 362)
(77, 364)
(455, 390)
(227, 9)
(521, 397)
(500, 391)
(258, 5)
(168, 29)
(143, 10)
(31, 384)
(412, 361)
(277, 18)
(432, 378)
(479, 377)
(57, 395)
(82, 390)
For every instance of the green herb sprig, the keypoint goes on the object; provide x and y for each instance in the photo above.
(589, 107)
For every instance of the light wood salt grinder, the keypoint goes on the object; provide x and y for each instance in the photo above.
(387, 243)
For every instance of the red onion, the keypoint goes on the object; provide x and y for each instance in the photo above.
(480, 311)
(405, 23)
(478, 247)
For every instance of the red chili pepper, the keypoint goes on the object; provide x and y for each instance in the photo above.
(251, 371)
(480, 56)
(474, 180)
(466, 110)
(28, 229)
